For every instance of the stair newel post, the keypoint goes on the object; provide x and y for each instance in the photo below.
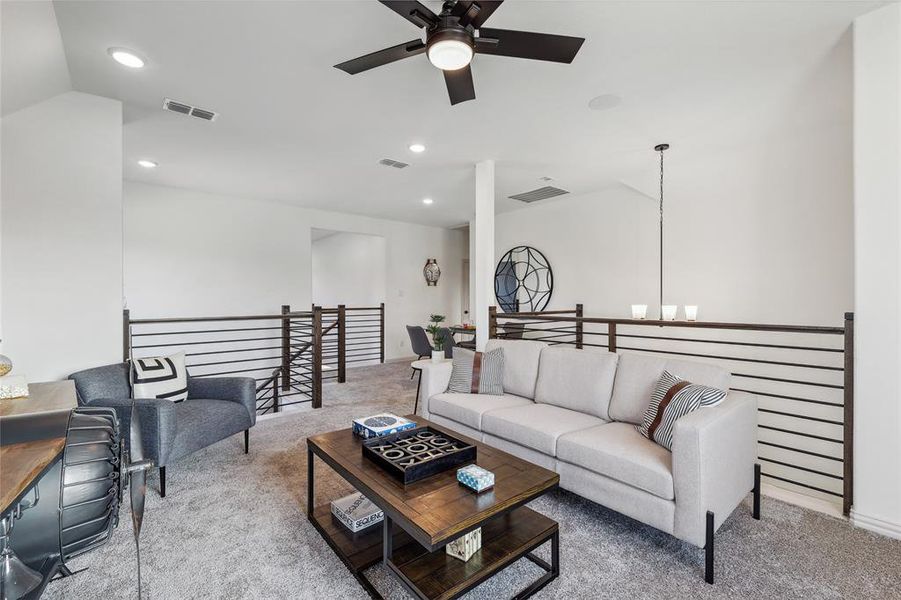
(382, 332)
(317, 357)
(286, 347)
(579, 326)
(342, 359)
(492, 322)
(611, 336)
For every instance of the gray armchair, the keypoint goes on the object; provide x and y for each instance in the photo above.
(216, 408)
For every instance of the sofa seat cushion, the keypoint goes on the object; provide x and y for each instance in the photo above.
(580, 380)
(618, 451)
(537, 426)
(200, 422)
(637, 376)
(521, 359)
(468, 409)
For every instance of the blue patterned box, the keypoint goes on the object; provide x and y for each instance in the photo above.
(475, 478)
(379, 425)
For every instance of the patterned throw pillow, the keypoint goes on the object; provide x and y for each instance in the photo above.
(162, 377)
(477, 372)
(673, 398)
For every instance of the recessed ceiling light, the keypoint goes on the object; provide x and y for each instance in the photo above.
(148, 164)
(604, 102)
(427, 200)
(126, 57)
(417, 148)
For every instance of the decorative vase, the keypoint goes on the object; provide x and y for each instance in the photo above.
(437, 355)
(6, 365)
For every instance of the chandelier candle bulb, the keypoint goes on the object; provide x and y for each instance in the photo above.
(691, 312)
(639, 311)
(669, 312)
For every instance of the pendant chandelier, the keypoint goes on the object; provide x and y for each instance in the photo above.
(661, 148)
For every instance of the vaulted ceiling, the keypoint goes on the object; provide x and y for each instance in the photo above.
(294, 129)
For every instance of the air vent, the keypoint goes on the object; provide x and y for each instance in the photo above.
(393, 163)
(186, 109)
(541, 193)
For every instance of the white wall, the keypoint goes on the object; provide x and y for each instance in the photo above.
(348, 268)
(877, 196)
(34, 64)
(190, 254)
(62, 235)
(758, 230)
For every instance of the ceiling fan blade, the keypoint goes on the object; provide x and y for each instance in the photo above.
(476, 18)
(415, 12)
(525, 44)
(382, 57)
(459, 85)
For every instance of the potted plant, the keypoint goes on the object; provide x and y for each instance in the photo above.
(434, 330)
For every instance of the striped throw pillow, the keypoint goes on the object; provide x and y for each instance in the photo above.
(163, 377)
(477, 372)
(673, 398)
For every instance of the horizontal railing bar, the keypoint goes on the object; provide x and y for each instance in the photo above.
(728, 342)
(790, 466)
(277, 317)
(361, 360)
(796, 416)
(801, 433)
(232, 351)
(193, 331)
(204, 342)
(802, 451)
(549, 329)
(544, 312)
(736, 359)
(810, 487)
(784, 397)
(688, 324)
(239, 360)
(361, 308)
(782, 380)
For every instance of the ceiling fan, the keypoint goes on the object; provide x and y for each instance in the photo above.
(455, 35)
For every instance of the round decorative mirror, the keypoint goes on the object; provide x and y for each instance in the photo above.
(523, 280)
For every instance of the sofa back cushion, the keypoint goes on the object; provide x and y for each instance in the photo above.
(580, 380)
(521, 359)
(638, 374)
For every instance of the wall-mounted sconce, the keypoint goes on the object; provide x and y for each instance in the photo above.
(691, 312)
(431, 272)
(639, 311)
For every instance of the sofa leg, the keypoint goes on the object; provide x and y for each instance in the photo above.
(708, 550)
(162, 482)
(757, 491)
(246, 441)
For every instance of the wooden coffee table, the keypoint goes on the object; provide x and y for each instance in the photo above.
(424, 516)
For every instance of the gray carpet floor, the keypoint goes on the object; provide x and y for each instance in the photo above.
(233, 526)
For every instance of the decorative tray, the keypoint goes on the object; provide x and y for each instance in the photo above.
(418, 453)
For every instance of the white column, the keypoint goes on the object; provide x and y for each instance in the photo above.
(877, 266)
(482, 261)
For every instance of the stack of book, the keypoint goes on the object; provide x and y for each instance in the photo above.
(356, 512)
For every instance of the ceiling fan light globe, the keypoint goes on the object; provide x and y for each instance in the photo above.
(450, 55)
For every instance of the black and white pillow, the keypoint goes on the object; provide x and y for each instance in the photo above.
(673, 398)
(477, 372)
(162, 377)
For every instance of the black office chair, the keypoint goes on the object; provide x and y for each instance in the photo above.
(513, 331)
(422, 348)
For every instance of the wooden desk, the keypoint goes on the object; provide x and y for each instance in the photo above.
(22, 464)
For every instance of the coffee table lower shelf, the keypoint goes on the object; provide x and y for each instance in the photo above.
(435, 575)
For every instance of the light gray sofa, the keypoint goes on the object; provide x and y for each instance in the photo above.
(575, 412)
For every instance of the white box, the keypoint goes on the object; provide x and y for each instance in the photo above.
(356, 512)
(465, 546)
